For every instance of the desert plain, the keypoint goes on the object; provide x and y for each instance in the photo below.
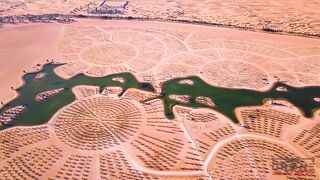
(124, 133)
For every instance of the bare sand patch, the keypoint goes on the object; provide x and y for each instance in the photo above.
(22, 47)
(18, 7)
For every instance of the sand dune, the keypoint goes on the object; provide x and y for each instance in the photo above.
(296, 16)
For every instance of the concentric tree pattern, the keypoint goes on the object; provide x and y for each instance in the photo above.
(108, 53)
(98, 123)
(123, 133)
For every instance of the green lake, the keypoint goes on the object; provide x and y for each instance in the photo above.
(226, 99)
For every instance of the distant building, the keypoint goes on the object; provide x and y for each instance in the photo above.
(109, 7)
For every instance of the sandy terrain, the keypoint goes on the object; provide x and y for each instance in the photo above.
(21, 49)
(297, 16)
(18, 7)
(142, 143)
(103, 136)
(294, 16)
(193, 49)
(156, 53)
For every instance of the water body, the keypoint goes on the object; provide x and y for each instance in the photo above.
(40, 112)
(226, 99)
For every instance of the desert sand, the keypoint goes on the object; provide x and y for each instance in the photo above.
(141, 143)
(294, 17)
(21, 49)
(41, 42)
(111, 134)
